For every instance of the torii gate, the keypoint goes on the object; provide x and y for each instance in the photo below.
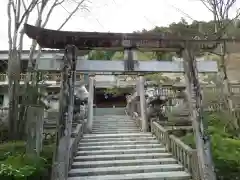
(71, 41)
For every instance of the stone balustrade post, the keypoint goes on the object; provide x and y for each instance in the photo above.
(90, 102)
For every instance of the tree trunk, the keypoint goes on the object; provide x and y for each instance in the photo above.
(14, 88)
(226, 86)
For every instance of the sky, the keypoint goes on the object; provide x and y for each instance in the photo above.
(116, 16)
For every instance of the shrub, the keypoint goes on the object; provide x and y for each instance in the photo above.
(225, 148)
(226, 156)
(15, 165)
(21, 166)
(11, 149)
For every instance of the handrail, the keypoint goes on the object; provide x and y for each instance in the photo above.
(47, 77)
(76, 137)
(183, 153)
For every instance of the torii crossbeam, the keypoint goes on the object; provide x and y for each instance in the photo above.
(91, 40)
(54, 39)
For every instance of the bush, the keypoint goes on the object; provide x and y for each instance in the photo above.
(226, 156)
(11, 149)
(16, 165)
(22, 167)
(225, 148)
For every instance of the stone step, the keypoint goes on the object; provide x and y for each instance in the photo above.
(117, 135)
(121, 151)
(114, 125)
(110, 131)
(114, 128)
(125, 170)
(115, 163)
(116, 132)
(117, 150)
(112, 119)
(120, 126)
(122, 157)
(110, 115)
(125, 146)
(113, 122)
(140, 141)
(174, 175)
(117, 139)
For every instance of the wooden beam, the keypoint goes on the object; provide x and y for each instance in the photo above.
(47, 38)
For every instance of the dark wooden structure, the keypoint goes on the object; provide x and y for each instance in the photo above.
(186, 47)
(53, 39)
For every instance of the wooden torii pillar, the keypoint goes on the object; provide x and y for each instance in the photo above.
(66, 105)
(194, 97)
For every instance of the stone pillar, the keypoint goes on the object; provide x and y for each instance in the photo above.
(141, 92)
(90, 102)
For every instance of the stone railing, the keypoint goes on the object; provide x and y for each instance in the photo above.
(47, 77)
(183, 153)
(76, 137)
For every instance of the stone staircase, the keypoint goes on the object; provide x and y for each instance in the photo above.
(118, 150)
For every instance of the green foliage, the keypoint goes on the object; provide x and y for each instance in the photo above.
(22, 166)
(15, 165)
(180, 29)
(101, 55)
(11, 149)
(225, 147)
(189, 140)
(118, 56)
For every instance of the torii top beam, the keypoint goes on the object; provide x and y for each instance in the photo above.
(94, 40)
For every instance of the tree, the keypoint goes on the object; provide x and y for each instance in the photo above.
(19, 12)
(101, 55)
(220, 10)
